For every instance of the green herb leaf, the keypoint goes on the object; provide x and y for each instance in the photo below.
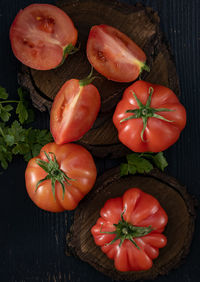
(143, 163)
(123, 169)
(9, 139)
(14, 138)
(139, 164)
(22, 112)
(160, 161)
(21, 109)
(4, 112)
(3, 93)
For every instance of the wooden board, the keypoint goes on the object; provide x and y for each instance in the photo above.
(173, 197)
(139, 23)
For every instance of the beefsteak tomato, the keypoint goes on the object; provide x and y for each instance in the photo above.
(115, 55)
(149, 118)
(74, 110)
(60, 176)
(42, 36)
(129, 230)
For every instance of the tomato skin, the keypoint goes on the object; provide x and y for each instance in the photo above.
(113, 54)
(141, 209)
(76, 162)
(74, 111)
(159, 134)
(39, 34)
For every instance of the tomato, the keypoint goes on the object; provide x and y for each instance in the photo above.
(60, 176)
(74, 110)
(129, 230)
(42, 35)
(115, 55)
(149, 117)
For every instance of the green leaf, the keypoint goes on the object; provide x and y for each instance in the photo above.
(9, 139)
(4, 112)
(21, 149)
(36, 149)
(123, 169)
(160, 161)
(22, 112)
(21, 109)
(4, 163)
(31, 116)
(141, 165)
(5, 155)
(43, 136)
(132, 169)
(28, 156)
(3, 93)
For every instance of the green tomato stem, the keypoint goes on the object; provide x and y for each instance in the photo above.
(9, 101)
(145, 112)
(54, 173)
(127, 231)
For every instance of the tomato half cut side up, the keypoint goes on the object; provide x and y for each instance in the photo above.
(42, 36)
(74, 110)
(115, 55)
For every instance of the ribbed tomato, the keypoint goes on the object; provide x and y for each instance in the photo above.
(42, 36)
(129, 230)
(149, 118)
(60, 176)
(115, 55)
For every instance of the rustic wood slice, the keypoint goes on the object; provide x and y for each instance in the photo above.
(139, 23)
(173, 197)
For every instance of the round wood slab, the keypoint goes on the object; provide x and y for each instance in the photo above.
(173, 197)
(142, 25)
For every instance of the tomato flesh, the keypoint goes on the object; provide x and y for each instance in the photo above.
(74, 111)
(39, 35)
(113, 54)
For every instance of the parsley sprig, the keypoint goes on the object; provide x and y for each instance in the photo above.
(14, 138)
(143, 163)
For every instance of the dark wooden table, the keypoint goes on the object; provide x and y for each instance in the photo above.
(33, 241)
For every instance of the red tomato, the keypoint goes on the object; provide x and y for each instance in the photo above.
(41, 35)
(129, 230)
(115, 55)
(68, 178)
(149, 117)
(74, 110)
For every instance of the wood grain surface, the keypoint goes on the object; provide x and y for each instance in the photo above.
(32, 242)
(173, 197)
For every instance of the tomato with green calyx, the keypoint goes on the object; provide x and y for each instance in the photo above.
(60, 176)
(74, 110)
(115, 55)
(129, 230)
(42, 36)
(149, 118)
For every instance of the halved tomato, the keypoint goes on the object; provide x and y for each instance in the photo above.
(115, 55)
(74, 110)
(42, 36)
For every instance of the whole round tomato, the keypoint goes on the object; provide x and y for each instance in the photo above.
(115, 55)
(149, 118)
(60, 176)
(74, 110)
(129, 230)
(42, 35)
